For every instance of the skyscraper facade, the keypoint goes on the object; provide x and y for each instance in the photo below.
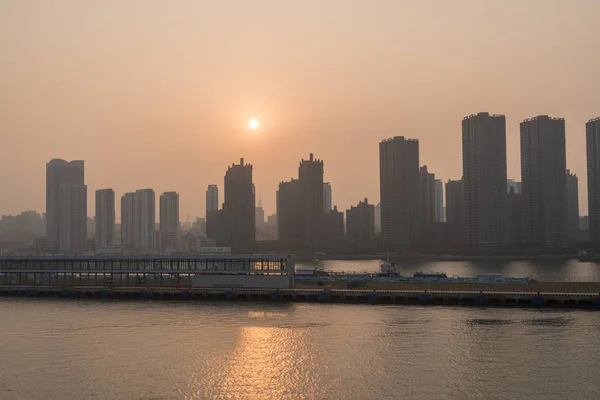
(543, 176)
(399, 192)
(484, 181)
(144, 217)
(572, 203)
(427, 190)
(212, 198)
(360, 225)
(73, 218)
(169, 221)
(288, 213)
(105, 218)
(439, 201)
(327, 197)
(455, 211)
(238, 216)
(310, 180)
(127, 201)
(60, 173)
(592, 137)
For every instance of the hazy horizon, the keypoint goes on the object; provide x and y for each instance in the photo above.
(157, 95)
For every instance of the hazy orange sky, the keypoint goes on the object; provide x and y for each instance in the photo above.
(158, 94)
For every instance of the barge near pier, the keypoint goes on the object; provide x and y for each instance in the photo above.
(261, 277)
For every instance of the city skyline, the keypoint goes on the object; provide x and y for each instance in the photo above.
(317, 80)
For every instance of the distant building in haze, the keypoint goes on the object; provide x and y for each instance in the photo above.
(484, 181)
(439, 201)
(212, 198)
(427, 191)
(399, 192)
(60, 173)
(238, 219)
(169, 222)
(514, 212)
(455, 211)
(105, 219)
(543, 175)
(327, 197)
(334, 225)
(127, 201)
(144, 217)
(310, 180)
(511, 184)
(378, 218)
(592, 137)
(288, 213)
(360, 225)
(572, 203)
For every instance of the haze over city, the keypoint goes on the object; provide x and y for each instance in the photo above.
(156, 96)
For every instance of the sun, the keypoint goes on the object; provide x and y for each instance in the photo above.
(253, 124)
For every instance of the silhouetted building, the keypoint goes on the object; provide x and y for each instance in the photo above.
(440, 215)
(212, 198)
(399, 190)
(73, 218)
(144, 217)
(327, 197)
(213, 224)
(378, 218)
(455, 211)
(360, 225)
(572, 203)
(105, 218)
(484, 181)
(514, 214)
(127, 220)
(259, 214)
(592, 136)
(61, 173)
(584, 223)
(334, 225)
(238, 216)
(169, 222)
(25, 226)
(310, 180)
(427, 191)
(543, 175)
(288, 213)
(515, 186)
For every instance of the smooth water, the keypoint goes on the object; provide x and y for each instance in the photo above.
(88, 349)
(555, 270)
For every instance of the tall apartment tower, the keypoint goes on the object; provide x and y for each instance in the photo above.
(288, 213)
(238, 228)
(543, 176)
(310, 179)
(592, 137)
(427, 190)
(572, 203)
(455, 211)
(360, 225)
(399, 191)
(439, 201)
(484, 181)
(127, 220)
(73, 218)
(61, 173)
(212, 198)
(144, 216)
(169, 221)
(327, 204)
(105, 218)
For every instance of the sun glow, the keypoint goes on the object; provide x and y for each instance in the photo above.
(253, 124)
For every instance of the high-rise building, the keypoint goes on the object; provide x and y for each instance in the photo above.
(543, 176)
(310, 180)
(427, 191)
(455, 210)
(327, 197)
(439, 201)
(212, 198)
(399, 189)
(484, 181)
(360, 225)
(514, 186)
(127, 220)
(238, 218)
(592, 136)
(105, 218)
(378, 218)
(59, 173)
(169, 222)
(288, 213)
(514, 212)
(334, 224)
(572, 203)
(73, 218)
(144, 217)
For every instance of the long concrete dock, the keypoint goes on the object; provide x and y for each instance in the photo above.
(421, 297)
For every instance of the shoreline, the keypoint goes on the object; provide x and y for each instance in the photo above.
(432, 258)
